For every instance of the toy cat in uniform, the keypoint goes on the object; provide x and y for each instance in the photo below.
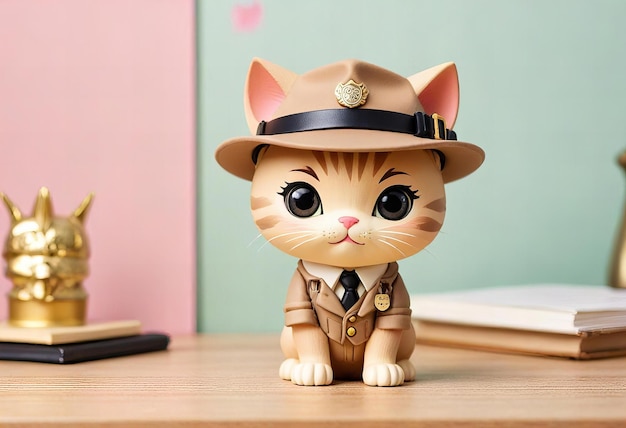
(348, 167)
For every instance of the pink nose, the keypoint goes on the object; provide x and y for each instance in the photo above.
(348, 222)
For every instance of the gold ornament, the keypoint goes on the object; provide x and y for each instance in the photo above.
(351, 94)
(46, 259)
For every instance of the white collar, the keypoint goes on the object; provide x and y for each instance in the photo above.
(368, 275)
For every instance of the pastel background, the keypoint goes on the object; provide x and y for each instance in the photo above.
(99, 96)
(109, 96)
(542, 91)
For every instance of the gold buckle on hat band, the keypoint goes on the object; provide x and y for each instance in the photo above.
(439, 125)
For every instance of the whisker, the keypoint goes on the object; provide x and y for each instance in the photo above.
(298, 237)
(254, 240)
(299, 233)
(399, 240)
(395, 232)
(262, 246)
(290, 233)
(431, 253)
(392, 246)
(304, 242)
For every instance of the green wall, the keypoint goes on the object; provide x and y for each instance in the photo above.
(543, 92)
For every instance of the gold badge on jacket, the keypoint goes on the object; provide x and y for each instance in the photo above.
(382, 302)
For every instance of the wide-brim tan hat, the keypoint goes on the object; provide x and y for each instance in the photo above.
(351, 106)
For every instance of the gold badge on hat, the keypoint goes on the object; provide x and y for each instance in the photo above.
(351, 94)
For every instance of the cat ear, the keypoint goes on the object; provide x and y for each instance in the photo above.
(42, 211)
(16, 215)
(438, 91)
(265, 90)
(81, 212)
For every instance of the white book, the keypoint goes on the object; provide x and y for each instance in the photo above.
(553, 308)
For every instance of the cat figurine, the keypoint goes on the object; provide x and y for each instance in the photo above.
(348, 164)
(47, 260)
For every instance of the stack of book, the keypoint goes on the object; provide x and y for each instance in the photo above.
(573, 321)
(67, 345)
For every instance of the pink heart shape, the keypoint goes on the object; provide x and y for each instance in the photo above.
(246, 17)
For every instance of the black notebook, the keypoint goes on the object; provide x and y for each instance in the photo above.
(84, 351)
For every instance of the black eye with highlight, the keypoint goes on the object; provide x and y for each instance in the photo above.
(395, 202)
(301, 199)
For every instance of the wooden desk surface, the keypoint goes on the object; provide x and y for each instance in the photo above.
(232, 380)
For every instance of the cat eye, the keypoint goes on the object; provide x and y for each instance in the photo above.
(395, 203)
(301, 199)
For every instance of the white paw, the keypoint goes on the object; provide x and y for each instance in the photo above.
(311, 374)
(286, 367)
(383, 374)
(408, 369)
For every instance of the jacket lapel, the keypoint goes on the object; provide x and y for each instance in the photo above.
(326, 298)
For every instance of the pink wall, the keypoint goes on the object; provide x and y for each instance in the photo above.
(98, 96)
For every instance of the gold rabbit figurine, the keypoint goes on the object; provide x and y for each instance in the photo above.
(617, 274)
(46, 259)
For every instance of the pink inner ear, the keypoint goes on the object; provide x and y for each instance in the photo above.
(264, 93)
(441, 96)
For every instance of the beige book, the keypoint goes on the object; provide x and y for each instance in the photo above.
(582, 345)
(61, 335)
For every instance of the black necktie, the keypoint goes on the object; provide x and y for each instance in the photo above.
(350, 281)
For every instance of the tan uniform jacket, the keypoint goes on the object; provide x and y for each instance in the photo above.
(311, 301)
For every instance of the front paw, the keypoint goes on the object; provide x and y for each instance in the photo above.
(383, 374)
(409, 370)
(286, 367)
(310, 374)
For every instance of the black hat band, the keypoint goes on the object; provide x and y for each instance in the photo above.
(419, 124)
